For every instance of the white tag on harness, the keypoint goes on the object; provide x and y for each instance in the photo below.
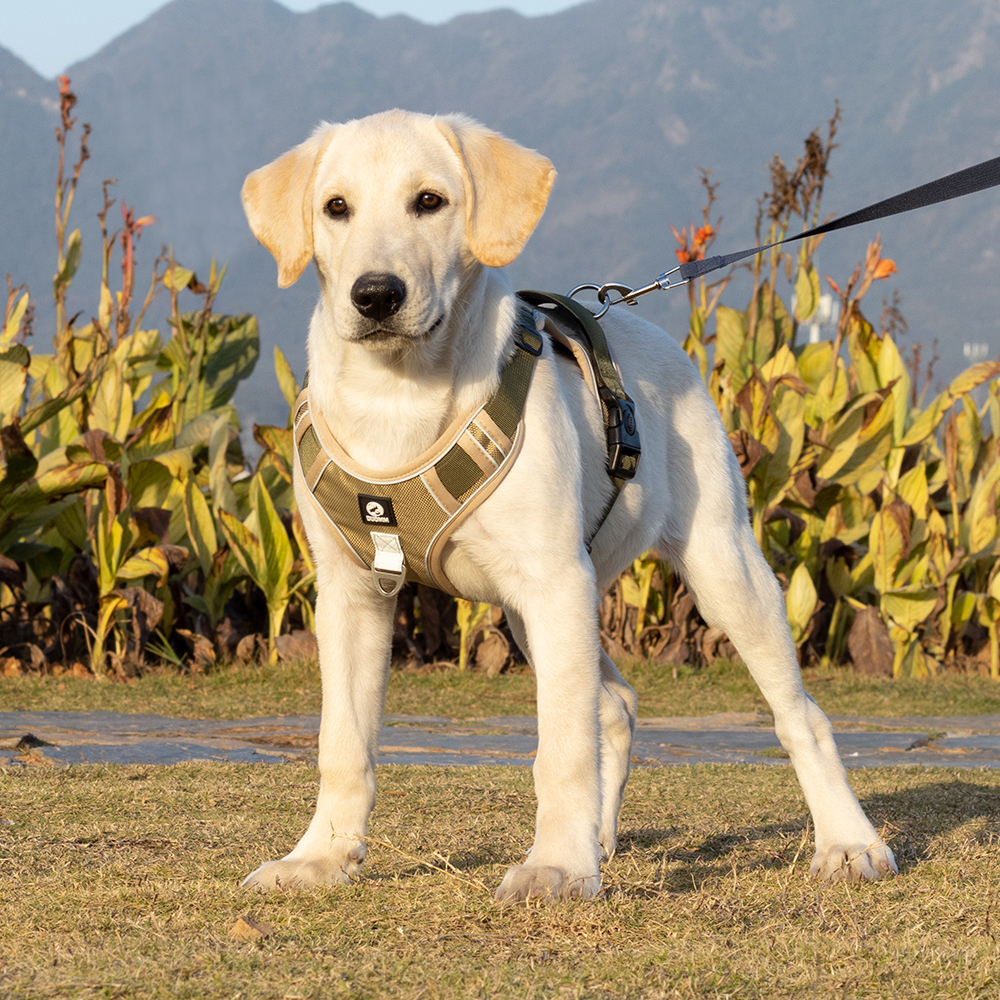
(389, 564)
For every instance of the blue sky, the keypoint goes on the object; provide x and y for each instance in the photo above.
(50, 35)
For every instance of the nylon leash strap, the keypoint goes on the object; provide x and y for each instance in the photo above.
(969, 181)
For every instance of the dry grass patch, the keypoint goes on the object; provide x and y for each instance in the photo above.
(124, 882)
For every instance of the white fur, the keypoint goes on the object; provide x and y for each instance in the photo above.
(524, 548)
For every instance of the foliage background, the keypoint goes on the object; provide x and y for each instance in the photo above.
(134, 531)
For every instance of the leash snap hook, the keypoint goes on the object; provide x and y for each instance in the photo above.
(627, 295)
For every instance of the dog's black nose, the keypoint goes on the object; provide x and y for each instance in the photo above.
(377, 296)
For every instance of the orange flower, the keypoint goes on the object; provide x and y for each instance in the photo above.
(699, 238)
(703, 235)
(883, 269)
(683, 253)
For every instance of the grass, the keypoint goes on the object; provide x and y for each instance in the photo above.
(294, 688)
(124, 882)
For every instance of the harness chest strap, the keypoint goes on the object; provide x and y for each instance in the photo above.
(425, 501)
(397, 524)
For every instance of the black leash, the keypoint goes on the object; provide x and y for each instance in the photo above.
(978, 178)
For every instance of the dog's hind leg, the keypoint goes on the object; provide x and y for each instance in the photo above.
(709, 540)
(616, 727)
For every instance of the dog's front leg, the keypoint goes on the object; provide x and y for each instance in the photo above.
(354, 630)
(560, 629)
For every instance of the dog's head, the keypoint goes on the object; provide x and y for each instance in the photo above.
(396, 209)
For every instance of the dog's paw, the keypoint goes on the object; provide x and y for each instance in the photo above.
(293, 873)
(545, 882)
(858, 863)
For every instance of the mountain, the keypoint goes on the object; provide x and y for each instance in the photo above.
(625, 96)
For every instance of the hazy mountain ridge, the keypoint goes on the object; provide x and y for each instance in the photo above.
(625, 96)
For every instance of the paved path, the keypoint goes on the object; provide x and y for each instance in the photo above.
(732, 737)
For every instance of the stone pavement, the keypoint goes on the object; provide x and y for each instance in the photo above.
(732, 737)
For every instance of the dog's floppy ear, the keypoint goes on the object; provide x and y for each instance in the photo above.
(506, 188)
(277, 200)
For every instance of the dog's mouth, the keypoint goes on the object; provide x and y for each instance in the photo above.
(383, 336)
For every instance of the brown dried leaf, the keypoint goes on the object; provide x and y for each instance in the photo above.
(869, 644)
(248, 928)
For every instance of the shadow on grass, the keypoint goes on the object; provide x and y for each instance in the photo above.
(913, 820)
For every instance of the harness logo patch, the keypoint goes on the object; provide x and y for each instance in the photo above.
(376, 510)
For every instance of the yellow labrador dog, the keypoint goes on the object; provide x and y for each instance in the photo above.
(409, 218)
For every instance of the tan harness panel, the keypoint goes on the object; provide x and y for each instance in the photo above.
(422, 503)
(397, 524)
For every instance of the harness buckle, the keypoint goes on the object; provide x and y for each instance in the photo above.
(389, 564)
(622, 435)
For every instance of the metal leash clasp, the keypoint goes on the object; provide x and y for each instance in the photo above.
(626, 294)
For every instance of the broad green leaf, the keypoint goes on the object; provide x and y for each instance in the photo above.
(151, 482)
(226, 573)
(115, 536)
(28, 524)
(200, 526)
(71, 522)
(814, 363)
(286, 379)
(198, 431)
(962, 608)
(972, 376)
(177, 278)
(277, 548)
(223, 496)
(731, 342)
(913, 489)
(838, 576)
(71, 261)
(299, 534)
(231, 362)
(630, 590)
(14, 364)
(892, 371)
(111, 405)
(865, 465)
(909, 608)
(800, 602)
(57, 482)
(829, 399)
(62, 394)
(279, 445)
(887, 544)
(245, 546)
(177, 462)
(13, 323)
(807, 292)
(150, 561)
(927, 422)
(978, 526)
(469, 614)
(106, 307)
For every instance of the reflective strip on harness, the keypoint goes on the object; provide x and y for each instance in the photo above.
(422, 504)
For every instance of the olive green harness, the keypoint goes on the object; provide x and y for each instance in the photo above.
(397, 525)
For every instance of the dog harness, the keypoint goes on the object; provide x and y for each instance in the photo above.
(397, 524)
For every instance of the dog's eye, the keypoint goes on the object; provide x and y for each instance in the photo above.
(428, 201)
(336, 206)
